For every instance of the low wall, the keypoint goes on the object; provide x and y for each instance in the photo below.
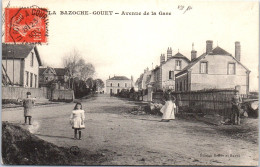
(60, 95)
(20, 92)
(13, 93)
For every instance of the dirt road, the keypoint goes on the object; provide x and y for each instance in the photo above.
(126, 139)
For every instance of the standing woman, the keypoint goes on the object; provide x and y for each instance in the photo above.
(168, 109)
(77, 119)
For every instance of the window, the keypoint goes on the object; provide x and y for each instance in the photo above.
(231, 68)
(177, 87)
(204, 67)
(111, 84)
(180, 86)
(31, 79)
(118, 84)
(27, 78)
(184, 85)
(178, 65)
(35, 81)
(171, 75)
(32, 59)
(125, 84)
(46, 78)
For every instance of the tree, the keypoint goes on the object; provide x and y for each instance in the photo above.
(90, 83)
(98, 84)
(77, 67)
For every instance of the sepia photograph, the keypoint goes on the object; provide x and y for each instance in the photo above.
(130, 82)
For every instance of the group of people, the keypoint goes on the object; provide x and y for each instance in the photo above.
(77, 117)
(169, 109)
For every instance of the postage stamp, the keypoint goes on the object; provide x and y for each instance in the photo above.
(26, 25)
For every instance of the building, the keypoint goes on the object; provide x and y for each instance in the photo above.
(20, 65)
(59, 75)
(214, 69)
(163, 76)
(144, 79)
(117, 83)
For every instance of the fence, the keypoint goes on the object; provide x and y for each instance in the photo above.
(204, 101)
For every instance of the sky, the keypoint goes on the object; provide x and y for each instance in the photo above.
(127, 44)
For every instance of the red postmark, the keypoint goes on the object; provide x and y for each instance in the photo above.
(26, 25)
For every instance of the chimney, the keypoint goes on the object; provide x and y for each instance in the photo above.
(237, 50)
(169, 53)
(209, 45)
(162, 59)
(193, 53)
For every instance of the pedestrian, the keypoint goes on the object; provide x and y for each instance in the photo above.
(174, 110)
(77, 119)
(236, 108)
(28, 104)
(168, 109)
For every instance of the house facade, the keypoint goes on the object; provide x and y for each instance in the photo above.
(144, 79)
(59, 75)
(215, 69)
(163, 76)
(20, 65)
(117, 83)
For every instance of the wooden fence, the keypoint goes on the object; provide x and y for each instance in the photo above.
(204, 101)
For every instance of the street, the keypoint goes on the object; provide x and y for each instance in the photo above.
(126, 139)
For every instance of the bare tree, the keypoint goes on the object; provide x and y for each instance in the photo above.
(77, 67)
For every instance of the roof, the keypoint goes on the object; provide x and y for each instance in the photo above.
(193, 62)
(119, 78)
(60, 71)
(57, 71)
(217, 51)
(20, 51)
(41, 70)
(178, 55)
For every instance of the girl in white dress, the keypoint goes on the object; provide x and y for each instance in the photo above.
(168, 109)
(77, 118)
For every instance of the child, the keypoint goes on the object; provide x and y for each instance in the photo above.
(77, 120)
(28, 104)
(168, 109)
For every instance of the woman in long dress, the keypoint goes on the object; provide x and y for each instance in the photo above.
(168, 109)
(77, 119)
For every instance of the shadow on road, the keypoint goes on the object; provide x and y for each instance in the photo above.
(149, 120)
(64, 137)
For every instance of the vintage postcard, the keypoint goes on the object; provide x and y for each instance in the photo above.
(130, 82)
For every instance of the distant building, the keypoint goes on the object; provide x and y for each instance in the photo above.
(20, 65)
(163, 76)
(144, 79)
(214, 69)
(117, 83)
(59, 75)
